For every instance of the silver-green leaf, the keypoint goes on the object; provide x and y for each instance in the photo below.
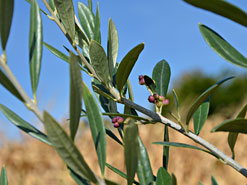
(6, 14)
(222, 47)
(23, 125)
(97, 127)
(35, 45)
(99, 61)
(75, 94)
(131, 149)
(66, 12)
(66, 149)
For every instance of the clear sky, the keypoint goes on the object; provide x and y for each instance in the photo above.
(169, 30)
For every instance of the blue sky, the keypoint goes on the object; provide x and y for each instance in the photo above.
(169, 30)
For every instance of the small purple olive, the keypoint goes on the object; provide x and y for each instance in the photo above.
(156, 96)
(120, 119)
(114, 120)
(151, 99)
(116, 125)
(161, 98)
(165, 102)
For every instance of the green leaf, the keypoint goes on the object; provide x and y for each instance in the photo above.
(222, 47)
(163, 177)
(175, 97)
(35, 45)
(9, 86)
(113, 136)
(6, 14)
(150, 84)
(23, 125)
(109, 182)
(232, 136)
(161, 75)
(126, 65)
(117, 171)
(87, 20)
(213, 180)
(200, 116)
(99, 61)
(202, 98)
(238, 125)
(174, 180)
(144, 170)
(182, 145)
(66, 148)
(222, 8)
(131, 149)
(90, 6)
(97, 34)
(66, 13)
(75, 95)
(200, 183)
(78, 179)
(56, 52)
(3, 177)
(80, 37)
(97, 127)
(112, 46)
(52, 5)
(166, 148)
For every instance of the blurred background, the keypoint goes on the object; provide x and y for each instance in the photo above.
(170, 31)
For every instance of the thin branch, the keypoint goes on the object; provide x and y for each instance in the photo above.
(28, 102)
(159, 118)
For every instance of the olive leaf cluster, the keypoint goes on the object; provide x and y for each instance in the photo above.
(111, 87)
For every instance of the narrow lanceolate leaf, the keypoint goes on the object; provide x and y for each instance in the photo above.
(222, 47)
(165, 157)
(52, 5)
(66, 149)
(56, 52)
(97, 127)
(131, 149)
(97, 34)
(126, 66)
(163, 177)
(213, 180)
(75, 95)
(78, 179)
(35, 45)
(202, 98)
(99, 61)
(66, 13)
(6, 14)
(174, 180)
(117, 171)
(232, 136)
(150, 84)
(144, 170)
(222, 8)
(238, 125)
(3, 177)
(90, 6)
(87, 20)
(9, 86)
(175, 97)
(161, 75)
(109, 182)
(112, 46)
(182, 145)
(200, 116)
(23, 125)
